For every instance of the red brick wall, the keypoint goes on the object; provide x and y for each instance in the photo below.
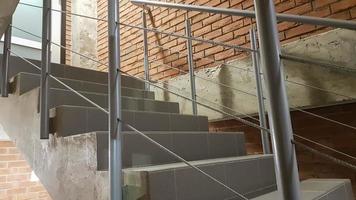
(15, 176)
(327, 133)
(68, 32)
(232, 30)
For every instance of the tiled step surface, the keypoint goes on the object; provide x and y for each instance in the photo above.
(60, 97)
(71, 120)
(64, 71)
(137, 151)
(319, 189)
(24, 82)
(249, 175)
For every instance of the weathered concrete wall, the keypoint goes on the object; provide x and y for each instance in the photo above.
(337, 46)
(84, 33)
(65, 166)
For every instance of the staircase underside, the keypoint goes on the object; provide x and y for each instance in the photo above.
(7, 8)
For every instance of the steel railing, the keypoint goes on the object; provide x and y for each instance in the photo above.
(115, 71)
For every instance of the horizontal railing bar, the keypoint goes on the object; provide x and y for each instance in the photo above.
(251, 14)
(205, 79)
(141, 133)
(327, 156)
(324, 118)
(185, 161)
(240, 48)
(155, 30)
(217, 110)
(242, 120)
(200, 57)
(252, 71)
(316, 62)
(220, 105)
(62, 83)
(324, 146)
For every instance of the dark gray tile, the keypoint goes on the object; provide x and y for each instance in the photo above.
(130, 104)
(97, 120)
(102, 150)
(337, 194)
(240, 140)
(70, 121)
(137, 151)
(243, 176)
(183, 123)
(191, 146)
(203, 123)
(192, 185)
(268, 176)
(129, 118)
(161, 185)
(151, 121)
(222, 145)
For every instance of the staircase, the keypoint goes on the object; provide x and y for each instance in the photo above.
(73, 163)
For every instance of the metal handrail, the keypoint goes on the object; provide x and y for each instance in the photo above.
(155, 30)
(289, 57)
(268, 29)
(283, 56)
(251, 14)
(136, 130)
(243, 121)
(217, 110)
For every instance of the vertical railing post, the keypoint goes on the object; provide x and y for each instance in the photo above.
(145, 50)
(5, 62)
(45, 68)
(266, 146)
(281, 126)
(115, 114)
(188, 29)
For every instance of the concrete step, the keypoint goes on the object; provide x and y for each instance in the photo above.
(60, 97)
(24, 82)
(71, 120)
(249, 175)
(137, 151)
(319, 189)
(65, 71)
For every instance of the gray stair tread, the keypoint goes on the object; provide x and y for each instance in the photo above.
(249, 175)
(60, 97)
(24, 82)
(63, 71)
(195, 163)
(72, 120)
(319, 189)
(137, 151)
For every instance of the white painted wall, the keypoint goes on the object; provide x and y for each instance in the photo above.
(30, 19)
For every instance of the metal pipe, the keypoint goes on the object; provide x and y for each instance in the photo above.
(266, 145)
(115, 112)
(5, 62)
(245, 13)
(145, 50)
(46, 68)
(188, 30)
(281, 126)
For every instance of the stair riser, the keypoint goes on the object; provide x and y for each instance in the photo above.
(65, 71)
(64, 97)
(27, 82)
(250, 177)
(137, 151)
(76, 120)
